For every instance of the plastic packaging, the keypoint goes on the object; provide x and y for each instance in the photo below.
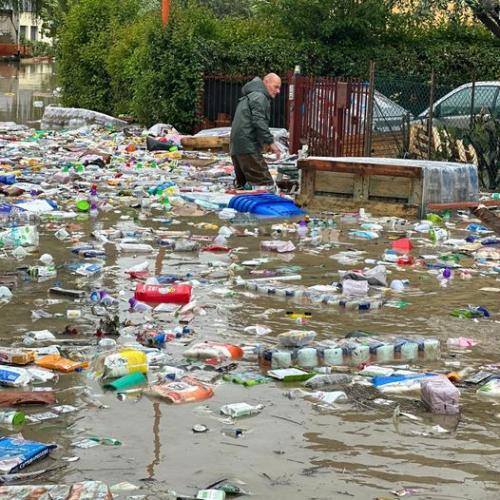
(214, 350)
(14, 376)
(56, 362)
(296, 338)
(440, 396)
(16, 356)
(126, 382)
(186, 390)
(238, 410)
(211, 495)
(125, 362)
(17, 453)
(161, 294)
(12, 417)
(328, 379)
(490, 390)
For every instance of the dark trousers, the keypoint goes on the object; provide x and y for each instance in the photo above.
(251, 168)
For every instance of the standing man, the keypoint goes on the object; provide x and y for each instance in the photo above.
(250, 134)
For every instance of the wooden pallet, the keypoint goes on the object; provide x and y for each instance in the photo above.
(352, 183)
(442, 144)
(201, 143)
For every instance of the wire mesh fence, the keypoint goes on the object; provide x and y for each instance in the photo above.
(436, 119)
(432, 118)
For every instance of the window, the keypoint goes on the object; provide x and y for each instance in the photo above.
(34, 33)
(22, 32)
(457, 104)
(484, 97)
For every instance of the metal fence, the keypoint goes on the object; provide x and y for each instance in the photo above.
(387, 117)
(435, 107)
(329, 115)
(220, 97)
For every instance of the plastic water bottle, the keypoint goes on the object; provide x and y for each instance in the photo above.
(138, 306)
(93, 201)
(12, 417)
(302, 229)
(105, 299)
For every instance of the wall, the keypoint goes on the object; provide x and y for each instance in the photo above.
(31, 28)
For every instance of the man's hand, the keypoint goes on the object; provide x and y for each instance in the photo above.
(275, 150)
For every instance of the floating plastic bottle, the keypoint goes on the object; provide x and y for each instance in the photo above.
(93, 200)
(139, 306)
(302, 229)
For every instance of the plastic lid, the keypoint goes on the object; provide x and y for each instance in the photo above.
(83, 205)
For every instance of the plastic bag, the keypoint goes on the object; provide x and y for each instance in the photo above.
(17, 453)
(56, 362)
(125, 362)
(214, 350)
(186, 390)
(296, 338)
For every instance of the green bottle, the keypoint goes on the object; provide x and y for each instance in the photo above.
(434, 218)
(464, 313)
(12, 417)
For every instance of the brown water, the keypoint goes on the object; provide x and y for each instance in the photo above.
(293, 449)
(25, 89)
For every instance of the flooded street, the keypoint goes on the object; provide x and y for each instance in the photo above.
(25, 89)
(294, 448)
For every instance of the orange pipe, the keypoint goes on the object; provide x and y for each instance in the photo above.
(165, 12)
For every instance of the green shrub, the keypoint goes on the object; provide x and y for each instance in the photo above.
(115, 57)
(172, 62)
(85, 40)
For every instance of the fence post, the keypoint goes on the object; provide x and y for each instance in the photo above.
(431, 115)
(294, 104)
(472, 98)
(200, 108)
(369, 112)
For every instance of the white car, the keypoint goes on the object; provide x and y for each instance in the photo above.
(456, 108)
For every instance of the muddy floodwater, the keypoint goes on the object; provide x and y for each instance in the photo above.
(25, 89)
(292, 449)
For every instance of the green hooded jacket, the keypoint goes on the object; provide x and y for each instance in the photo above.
(250, 127)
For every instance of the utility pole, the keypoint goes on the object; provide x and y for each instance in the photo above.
(165, 11)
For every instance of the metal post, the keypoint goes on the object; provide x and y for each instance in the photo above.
(293, 111)
(369, 112)
(18, 31)
(431, 114)
(472, 98)
(165, 11)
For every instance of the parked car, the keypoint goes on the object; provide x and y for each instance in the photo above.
(388, 115)
(456, 108)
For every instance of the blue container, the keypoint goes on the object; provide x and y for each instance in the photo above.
(8, 179)
(267, 205)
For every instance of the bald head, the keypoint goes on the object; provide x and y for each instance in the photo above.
(272, 82)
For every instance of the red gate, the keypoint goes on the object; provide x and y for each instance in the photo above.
(328, 114)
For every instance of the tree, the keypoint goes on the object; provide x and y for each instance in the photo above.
(329, 21)
(487, 12)
(223, 8)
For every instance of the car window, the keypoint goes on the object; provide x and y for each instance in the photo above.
(497, 106)
(484, 98)
(457, 104)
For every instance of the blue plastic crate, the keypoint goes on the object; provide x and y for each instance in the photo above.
(266, 205)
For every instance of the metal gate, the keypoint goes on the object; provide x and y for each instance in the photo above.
(329, 115)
